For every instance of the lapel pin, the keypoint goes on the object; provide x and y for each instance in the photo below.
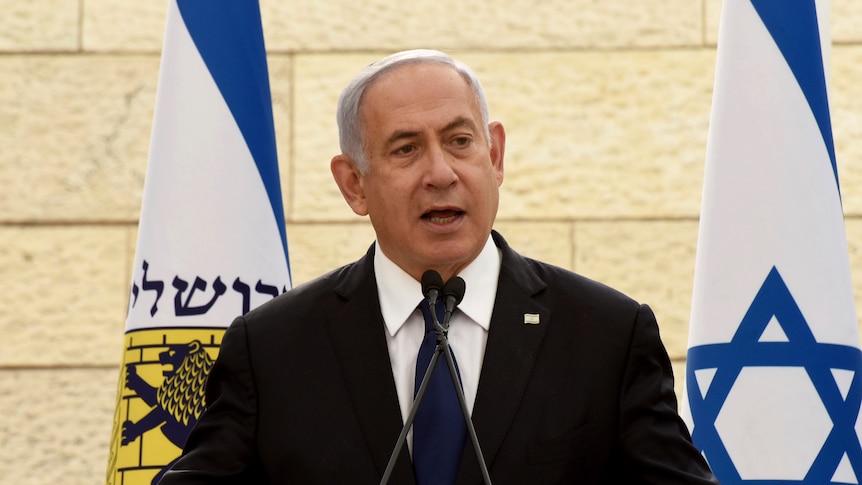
(531, 319)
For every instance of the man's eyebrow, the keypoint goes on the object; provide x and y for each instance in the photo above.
(400, 135)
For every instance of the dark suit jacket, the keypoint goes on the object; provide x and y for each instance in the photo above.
(302, 391)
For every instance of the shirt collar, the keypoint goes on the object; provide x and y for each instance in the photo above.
(399, 293)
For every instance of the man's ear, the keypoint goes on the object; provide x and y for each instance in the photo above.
(498, 148)
(349, 181)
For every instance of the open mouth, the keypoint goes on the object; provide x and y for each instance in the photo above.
(442, 217)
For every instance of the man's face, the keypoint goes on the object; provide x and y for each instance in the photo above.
(432, 184)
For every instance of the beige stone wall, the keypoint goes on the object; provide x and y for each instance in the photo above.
(606, 105)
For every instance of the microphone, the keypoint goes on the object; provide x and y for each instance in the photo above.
(453, 293)
(432, 286)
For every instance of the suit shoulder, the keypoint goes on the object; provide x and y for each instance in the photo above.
(303, 299)
(538, 278)
(591, 310)
(563, 280)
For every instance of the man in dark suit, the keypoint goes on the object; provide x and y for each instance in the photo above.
(566, 379)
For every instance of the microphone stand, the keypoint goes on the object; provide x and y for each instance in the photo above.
(442, 332)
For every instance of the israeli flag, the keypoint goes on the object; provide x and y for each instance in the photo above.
(773, 386)
(211, 239)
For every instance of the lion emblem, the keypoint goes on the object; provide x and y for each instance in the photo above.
(179, 402)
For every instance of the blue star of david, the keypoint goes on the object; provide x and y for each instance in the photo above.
(800, 350)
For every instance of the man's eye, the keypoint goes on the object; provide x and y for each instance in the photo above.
(405, 150)
(462, 141)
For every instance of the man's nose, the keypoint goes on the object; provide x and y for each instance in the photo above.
(440, 171)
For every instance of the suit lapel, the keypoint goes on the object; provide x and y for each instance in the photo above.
(512, 349)
(357, 333)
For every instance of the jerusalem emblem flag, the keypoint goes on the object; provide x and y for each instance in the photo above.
(774, 368)
(211, 240)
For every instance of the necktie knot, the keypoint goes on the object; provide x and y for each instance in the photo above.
(440, 310)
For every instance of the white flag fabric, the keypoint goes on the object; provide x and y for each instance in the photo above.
(211, 239)
(772, 382)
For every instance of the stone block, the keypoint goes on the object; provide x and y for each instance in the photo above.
(64, 296)
(75, 136)
(46, 25)
(517, 24)
(118, 26)
(551, 242)
(56, 425)
(316, 249)
(651, 261)
(845, 18)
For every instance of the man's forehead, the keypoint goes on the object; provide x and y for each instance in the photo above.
(414, 92)
(416, 81)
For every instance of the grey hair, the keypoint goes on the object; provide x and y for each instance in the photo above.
(350, 129)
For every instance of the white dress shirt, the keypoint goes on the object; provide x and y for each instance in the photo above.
(400, 295)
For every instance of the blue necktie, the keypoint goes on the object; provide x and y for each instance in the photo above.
(439, 430)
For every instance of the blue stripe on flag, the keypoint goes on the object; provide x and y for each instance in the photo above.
(793, 26)
(229, 36)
